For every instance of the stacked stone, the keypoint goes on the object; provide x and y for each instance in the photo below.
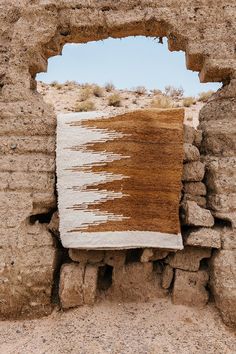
(217, 120)
(190, 280)
(133, 276)
(193, 204)
(147, 274)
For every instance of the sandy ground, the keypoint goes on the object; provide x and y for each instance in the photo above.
(144, 328)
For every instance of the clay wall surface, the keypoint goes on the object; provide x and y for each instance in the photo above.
(30, 252)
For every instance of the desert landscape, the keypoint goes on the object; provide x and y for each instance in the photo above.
(166, 297)
(74, 97)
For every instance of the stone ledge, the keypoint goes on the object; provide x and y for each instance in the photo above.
(194, 215)
(189, 258)
(203, 237)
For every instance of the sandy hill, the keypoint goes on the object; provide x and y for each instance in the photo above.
(74, 97)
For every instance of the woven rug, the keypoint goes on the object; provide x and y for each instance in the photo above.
(119, 179)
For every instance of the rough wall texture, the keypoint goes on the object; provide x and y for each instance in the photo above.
(31, 32)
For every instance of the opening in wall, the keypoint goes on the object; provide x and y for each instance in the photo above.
(119, 151)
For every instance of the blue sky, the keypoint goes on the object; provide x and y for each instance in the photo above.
(127, 63)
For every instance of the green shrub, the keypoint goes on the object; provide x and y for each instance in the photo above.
(189, 101)
(114, 100)
(85, 106)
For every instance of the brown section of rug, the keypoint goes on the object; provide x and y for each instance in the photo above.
(152, 150)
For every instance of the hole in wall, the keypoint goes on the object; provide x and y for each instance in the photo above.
(2, 77)
(62, 258)
(105, 277)
(119, 59)
(44, 218)
(223, 223)
(158, 266)
(116, 61)
(204, 263)
(133, 255)
(105, 273)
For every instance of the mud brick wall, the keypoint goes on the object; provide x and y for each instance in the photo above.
(30, 254)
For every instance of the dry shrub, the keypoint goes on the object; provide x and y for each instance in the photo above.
(162, 102)
(189, 101)
(98, 91)
(109, 87)
(156, 92)
(54, 83)
(204, 96)
(59, 86)
(114, 100)
(85, 93)
(86, 85)
(71, 83)
(85, 106)
(174, 92)
(140, 90)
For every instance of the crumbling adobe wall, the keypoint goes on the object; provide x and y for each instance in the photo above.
(31, 32)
